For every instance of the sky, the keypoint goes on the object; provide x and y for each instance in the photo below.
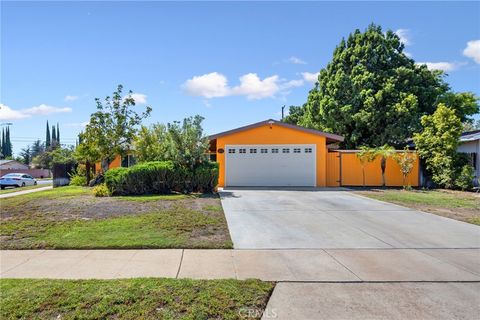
(234, 63)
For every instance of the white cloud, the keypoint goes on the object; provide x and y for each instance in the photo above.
(443, 65)
(310, 77)
(253, 87)
(296, 60)
(71, 98)
(139, 98)
(7, 113)
(209, 85)
(404, 35)
(44, 109)
(473, 50)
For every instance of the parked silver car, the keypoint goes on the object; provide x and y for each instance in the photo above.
(17, 180)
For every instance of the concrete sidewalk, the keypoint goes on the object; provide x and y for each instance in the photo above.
(340, 265)
(18, 193)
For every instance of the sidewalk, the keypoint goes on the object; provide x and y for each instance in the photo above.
(340, 265)
(18, 193)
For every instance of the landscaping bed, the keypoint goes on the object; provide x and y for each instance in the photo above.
(72, 218)
(146, 298)
(458, 205)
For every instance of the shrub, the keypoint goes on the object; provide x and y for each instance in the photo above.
(161, 177)
(464, 180)
(101, 190)
(77, 180)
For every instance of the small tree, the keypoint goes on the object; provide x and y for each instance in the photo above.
(405, 161)
(113, 127)
(384, 152)
(150, 143)
(365, 156)
(87, 153)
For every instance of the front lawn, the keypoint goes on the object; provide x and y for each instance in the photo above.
(72, 218)
(463, 206)
(146, 298)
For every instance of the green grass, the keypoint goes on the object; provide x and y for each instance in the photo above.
(428, 197)
(11, 190)
(36, 221)
(144, 298)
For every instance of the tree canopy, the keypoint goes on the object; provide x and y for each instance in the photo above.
(373, 94)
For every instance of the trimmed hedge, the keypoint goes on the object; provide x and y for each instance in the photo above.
(161, 177)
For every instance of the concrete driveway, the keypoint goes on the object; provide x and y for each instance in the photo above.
(312, 219)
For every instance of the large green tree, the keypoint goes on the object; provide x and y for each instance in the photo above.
(114, 125)
(371, 92)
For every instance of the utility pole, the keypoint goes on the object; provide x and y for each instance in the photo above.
(282, 111)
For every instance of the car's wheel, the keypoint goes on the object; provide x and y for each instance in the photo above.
(35, 183)
(3, 187)
(23, 184)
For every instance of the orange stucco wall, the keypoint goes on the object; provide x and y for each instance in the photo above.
(274, 134)
(117, 162)
(350, 171)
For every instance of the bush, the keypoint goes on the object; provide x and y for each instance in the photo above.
(101, 190)
(161, 177)
(464, 180)
(77, 180)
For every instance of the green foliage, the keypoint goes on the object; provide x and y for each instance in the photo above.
(464, 181)
(373, 94)
(78, 180)
(63, 155)
(100, 190)
(161, 177)
(437, 144)
(405, 161)
(295, 114)
(113, 126)
(183, 143)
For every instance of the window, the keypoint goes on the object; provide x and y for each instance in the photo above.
(296, 150)
(242, 150)
(308, 150)
(253, 150)
(286, 150)
(231, 150)
(263, 150)
(274, 150)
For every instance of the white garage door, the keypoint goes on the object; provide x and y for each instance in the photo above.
(270, 165)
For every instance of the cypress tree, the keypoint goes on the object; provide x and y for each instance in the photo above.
(58, 134)
(8, 148)
(54, 137)
(47, 137)
(2, 144)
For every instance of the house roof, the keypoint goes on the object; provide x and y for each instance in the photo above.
(470, 136)
(5, 161)
(330, 136)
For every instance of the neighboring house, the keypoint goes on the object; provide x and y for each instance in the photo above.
(12, 165)
(470, 144)
(274, 153)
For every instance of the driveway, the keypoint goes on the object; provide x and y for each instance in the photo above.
(324, 219)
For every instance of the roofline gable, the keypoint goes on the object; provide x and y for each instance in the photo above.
(330, 136)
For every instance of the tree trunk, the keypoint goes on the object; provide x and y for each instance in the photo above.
(383, 165)
(105, 164)
(87, 169)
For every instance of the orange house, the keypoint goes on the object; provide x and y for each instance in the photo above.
(274, 153)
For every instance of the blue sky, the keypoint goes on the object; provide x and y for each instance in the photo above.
(233, 63)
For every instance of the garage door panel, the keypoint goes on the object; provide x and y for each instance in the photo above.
(270, 165)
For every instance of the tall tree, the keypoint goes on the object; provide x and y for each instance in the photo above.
(2, 145)
(114, 125)
(8, 144)
(437, 144)
(54, 137)
(38, 147)
(58, 134)
(371, 92)
(47, 137)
